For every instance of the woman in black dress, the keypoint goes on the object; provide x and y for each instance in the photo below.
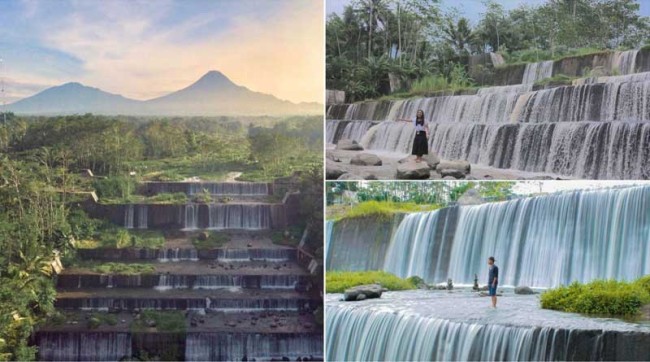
(421, 141)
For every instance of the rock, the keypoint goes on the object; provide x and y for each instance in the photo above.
(368, 291)
(150, 323)
(203, 236)
(523, 290)
(413, 171)
(543, 178)
(366, 159)
(330, 156)
(406, 159)
(488, 177)
(470, 178)
(361, 296)
(450, 284)
(333, 170)
(449, 178)
(349, 145)
(463, 167)
(348, 176)
(432, 160)
(370, 176)
(451, 172)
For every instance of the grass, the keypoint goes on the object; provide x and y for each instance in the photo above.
(97, 319)
(535, 55)
(339, 281)
(558, 79)
(167, 321)
(289, 237)
(381, 209)
(210, 240)
(124, 268)
(600, 297)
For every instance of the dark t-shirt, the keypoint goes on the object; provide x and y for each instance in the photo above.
(493, 273)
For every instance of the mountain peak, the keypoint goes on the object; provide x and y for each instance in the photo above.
(214, 76)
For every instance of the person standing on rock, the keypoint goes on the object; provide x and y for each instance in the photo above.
(421, 142)
(493, 281)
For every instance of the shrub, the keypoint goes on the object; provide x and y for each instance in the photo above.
(339, 281)
(116, 187)
(600, 297)
(381, 209)
(124, 268)
(210, 240)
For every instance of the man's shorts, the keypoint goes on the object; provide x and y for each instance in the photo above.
(492, 291)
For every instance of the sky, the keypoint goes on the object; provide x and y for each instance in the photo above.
(145, 49)
(472, 9)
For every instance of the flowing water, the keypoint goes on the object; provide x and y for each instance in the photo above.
(538, 241)
(229, 188)
(427, 325)
(236, 346)
(598, 128)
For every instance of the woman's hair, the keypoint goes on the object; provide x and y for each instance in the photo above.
(417, 114)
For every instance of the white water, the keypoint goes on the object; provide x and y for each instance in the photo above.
(245, 216)
(542, 241)
(230, 188)
(625, 62)
(262, 347)
(177, 254)
(537, 71)
(243, 255)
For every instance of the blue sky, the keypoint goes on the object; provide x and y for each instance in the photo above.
(473, 8)
(143, 49)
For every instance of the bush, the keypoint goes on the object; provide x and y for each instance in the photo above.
(339, 281)
(210, 240)
(116, 237)
(168, 198)
(167, 321)
(600, 297)
(117, 187)
(82, 226)
(381, 209)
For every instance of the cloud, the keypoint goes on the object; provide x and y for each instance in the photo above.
(145, 49)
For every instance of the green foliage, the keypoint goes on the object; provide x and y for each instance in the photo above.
(166, 321)
(167, 198)
(381, 209)
(339, 281)
(111, 236)
(124, 268)
(600, 297)
(96, 320)
(288, 237)
(82, 226)
(116, 187)
(211, 240)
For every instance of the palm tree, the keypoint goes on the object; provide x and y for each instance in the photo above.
(459, 35)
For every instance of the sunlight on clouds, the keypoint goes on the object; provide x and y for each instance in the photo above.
(125, 50)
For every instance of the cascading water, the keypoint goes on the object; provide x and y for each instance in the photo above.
(329, 229)
(535, 72)
(143, 213)
(217, 281)
(191, 217)
(243, 255)
(598, 128)
(541, 241)
(236, 346)
(177, 254)
(354, 130)
(171, 281)
(87, 346)
(242, 216)
(129, 216)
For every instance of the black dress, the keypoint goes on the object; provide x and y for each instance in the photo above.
(420, 144)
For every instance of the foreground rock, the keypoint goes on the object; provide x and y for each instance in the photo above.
(349, 176)
(432, 160)
(524, 290)
(455, 169)
(362, 292)
(413, 171)
(348, 145)
(366, 159)
(333, 170)
(330, 156)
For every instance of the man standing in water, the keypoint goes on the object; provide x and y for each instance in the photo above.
(493, 281)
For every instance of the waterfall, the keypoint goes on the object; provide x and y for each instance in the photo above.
(191, 217)
(329, 229)
(177, 254)
(217, 281)
(143, 212)
(170, 281)
(86, 346)
(239, 216)
(253, 305)
(354, 130)
(537, 71)
(262, 347)
(371, 335)
(243, 255)
(129, 216)
(278, 281)
(625, 62)
(540, 241)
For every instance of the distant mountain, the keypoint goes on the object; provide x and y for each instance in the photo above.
(212, 94)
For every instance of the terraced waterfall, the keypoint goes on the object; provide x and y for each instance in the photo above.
(597, 128)
(540, 241)
(248, 299)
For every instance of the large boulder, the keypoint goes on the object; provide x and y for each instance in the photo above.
(362, 292)
(349, 176)
(523, 290)
(365, 159)
(432, 160)
(455, 169)
(413, 171)
(333, 170)
(331, 156)
(348, 145)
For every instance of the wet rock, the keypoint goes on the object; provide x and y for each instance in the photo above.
(249, 245)
(413, 171)
(368, 291)
(331, 156)
(366, 159)
(488, 177)
(432, 160)
(231, 324)
(349, 145)
(349, 176)
(333, 170)
(273, 325)
(203, 236)
(370, 176)
(150, 323)
(450, 284)
(449, 178)
(523, 290)
(456, 169)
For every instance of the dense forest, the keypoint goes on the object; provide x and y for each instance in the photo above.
(42, 161)
(414, 43)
